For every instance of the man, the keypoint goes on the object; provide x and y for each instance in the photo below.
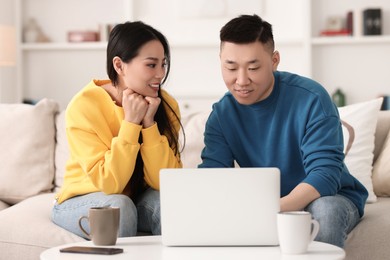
(271, 118)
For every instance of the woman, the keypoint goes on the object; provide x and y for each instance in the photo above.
(121, 132)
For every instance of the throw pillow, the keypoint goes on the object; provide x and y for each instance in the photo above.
(27, 149)
(381, 170)
(362, 117)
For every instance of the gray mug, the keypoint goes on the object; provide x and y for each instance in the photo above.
(103, 225)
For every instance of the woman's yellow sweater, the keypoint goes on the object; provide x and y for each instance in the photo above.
(104, 147)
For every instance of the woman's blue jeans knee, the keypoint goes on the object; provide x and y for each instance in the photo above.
(337, 216)
(148, 208)
(145, 214)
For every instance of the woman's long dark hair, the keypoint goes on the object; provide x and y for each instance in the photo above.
(125, 41)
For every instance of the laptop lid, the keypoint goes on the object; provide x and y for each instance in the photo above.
(219, 206)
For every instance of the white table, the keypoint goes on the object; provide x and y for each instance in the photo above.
(150, 247)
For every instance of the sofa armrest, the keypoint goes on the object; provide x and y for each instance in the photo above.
(382, 130)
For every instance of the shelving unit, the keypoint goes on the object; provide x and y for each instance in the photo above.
(356, 64)
(58, 69)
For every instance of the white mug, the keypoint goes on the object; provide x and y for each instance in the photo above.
(296, 229)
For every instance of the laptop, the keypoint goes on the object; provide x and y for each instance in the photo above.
(219, 206)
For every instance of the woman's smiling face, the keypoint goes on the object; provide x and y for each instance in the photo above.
(145, 72)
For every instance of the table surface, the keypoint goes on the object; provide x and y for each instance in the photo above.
(150, 247)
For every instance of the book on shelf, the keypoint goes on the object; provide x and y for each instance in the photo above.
(342, 32)
(372, 21)
(349, 22)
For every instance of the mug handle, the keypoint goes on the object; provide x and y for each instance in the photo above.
(315, 230)
(81, 227)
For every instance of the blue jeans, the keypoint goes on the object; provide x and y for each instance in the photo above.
(143, 216)
(337, 216)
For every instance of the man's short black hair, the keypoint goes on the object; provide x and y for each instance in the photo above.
(247, 29)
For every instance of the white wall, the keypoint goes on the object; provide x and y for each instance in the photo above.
(194, 36)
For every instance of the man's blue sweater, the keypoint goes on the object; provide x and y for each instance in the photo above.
(296, 129)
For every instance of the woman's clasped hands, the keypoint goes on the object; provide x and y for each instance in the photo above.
(139, 109)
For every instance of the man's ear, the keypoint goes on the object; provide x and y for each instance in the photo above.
(118, 65)
(275, 60)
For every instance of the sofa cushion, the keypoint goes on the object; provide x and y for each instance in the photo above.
(370, 238)
(27, 230)
(61, 152)
(27, 148)
(3, 205)
(381, 170)
(363, 118)
(193, 125)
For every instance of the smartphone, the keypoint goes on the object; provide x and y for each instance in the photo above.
(92, 250)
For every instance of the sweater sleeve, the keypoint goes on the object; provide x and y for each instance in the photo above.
(108, 161)
(157, 154)
(322, 151)
(155, 150)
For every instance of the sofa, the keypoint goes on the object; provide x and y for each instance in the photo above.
(34, 151)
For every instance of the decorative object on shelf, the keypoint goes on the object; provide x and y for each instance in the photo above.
(349, 22)
(372, 19)
(338, 26)
(83, 36)
(32, 32)
(338, 98)
(335, 23)
(342, 32)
